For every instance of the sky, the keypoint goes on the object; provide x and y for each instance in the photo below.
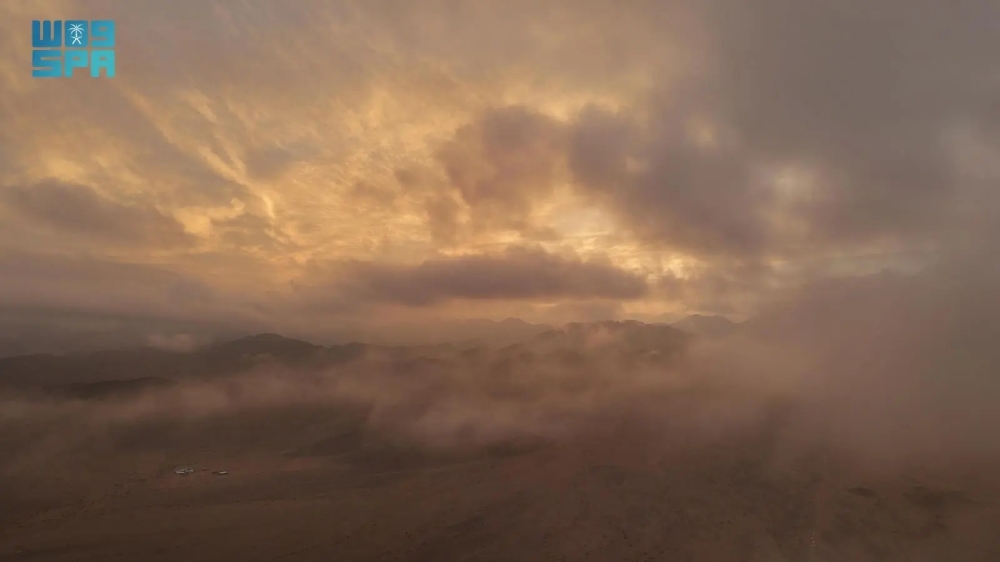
(317, 167)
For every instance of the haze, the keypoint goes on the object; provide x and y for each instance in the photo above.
(639, 246)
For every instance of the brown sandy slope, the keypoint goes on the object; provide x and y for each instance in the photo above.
(315, 484)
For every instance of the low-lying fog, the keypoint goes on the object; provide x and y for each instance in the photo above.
(889, 368)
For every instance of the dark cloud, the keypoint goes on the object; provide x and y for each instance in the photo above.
(862, 93)
(78, 210)
(500, 166)
(859, 96)
(699, 199)
(517, 274)
(599, 147)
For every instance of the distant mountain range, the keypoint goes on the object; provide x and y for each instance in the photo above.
(17, 339)
(151, 363)
(113, 372)
(465, 333)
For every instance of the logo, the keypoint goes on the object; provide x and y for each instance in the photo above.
(76, 34)
(59, 48)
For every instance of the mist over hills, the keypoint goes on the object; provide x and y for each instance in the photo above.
(622, 438)
(17, 339)
(69, 371)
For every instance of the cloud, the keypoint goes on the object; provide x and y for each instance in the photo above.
(499, 167)
(270, 161)
(248, 232)
(855, 126)
(732, 151)
(516, 274)
(866, 115)
(695, 198)
(78, 210)
(100, 287)
(722, 288)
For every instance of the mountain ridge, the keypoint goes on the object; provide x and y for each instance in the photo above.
(271, 349)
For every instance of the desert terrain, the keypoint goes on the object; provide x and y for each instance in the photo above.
(471, 456)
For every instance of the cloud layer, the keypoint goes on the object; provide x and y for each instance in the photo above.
(394, 158)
